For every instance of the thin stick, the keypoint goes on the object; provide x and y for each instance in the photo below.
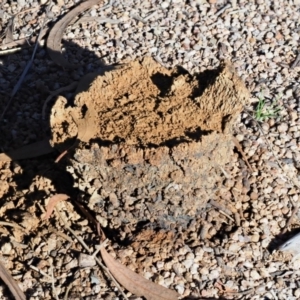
(60, 156)
(138, 18)
(3, 223)
(246, 292)
(100, 20)
(223, 9)
(224, 172)
(27, 10)
(98, 248)
(9, 51)
(17, 244)
(237, 219)
(9, 30)
(40, 271)
(53, 281)
(24, 42)
(296, 62)
(237, 11)
(220, 207)
(80, 240)
(67, 291)
(63, 235)
(223, 213)
(150, 15)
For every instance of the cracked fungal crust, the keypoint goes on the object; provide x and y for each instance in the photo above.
(166, 135)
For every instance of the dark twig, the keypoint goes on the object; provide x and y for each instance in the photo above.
(296, 62)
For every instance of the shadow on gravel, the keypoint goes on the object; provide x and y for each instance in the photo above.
(24, 134)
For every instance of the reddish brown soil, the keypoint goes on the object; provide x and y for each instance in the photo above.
(146, 104)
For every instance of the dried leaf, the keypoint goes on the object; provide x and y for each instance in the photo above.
(56, 33)
(135, 283)
(11, 283)
(52, 203)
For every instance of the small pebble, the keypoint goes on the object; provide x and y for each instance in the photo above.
(6, 248)
(283, 127)
(180, 288)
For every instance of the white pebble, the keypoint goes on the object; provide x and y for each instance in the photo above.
(179, 288)
(93, 13)
(254, 275)
(269, 35)
(165, 4)
(178, 269)
(188, 263)
(269, 55)
(148, 275)
(214, 274)
(194, 269)
(6, 248)
(21, 2)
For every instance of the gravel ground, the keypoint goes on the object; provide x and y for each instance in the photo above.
(229, 251)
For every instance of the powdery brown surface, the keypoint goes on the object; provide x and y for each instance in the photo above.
(145, 104)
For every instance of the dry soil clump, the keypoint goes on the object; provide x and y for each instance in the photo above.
(156, 140)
